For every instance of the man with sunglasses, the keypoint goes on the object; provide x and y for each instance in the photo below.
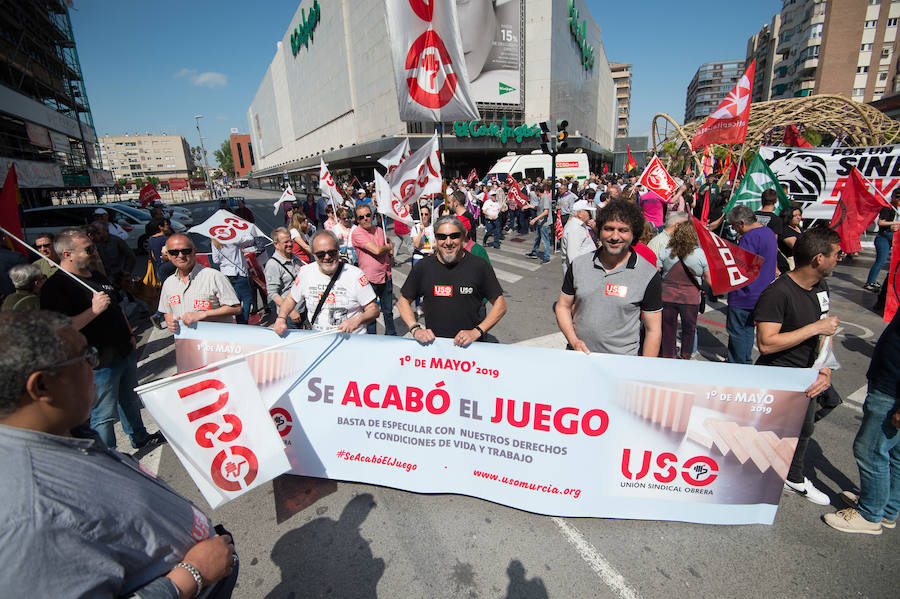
(100, 319)
(43, 243)
(375, 253)
(79, 519)
(452, 284)
(195, 292)
(348, 305)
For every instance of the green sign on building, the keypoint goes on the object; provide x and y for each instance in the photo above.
(501, 131)
(303, 33)
(579, 32)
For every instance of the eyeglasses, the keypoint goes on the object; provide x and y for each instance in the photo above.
(184, 251)
(90, 355)
(369, 215)
(443, 236)
(329, 253)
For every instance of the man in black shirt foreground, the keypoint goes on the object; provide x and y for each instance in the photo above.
(99, 318)
(452, 284)
(791, 315)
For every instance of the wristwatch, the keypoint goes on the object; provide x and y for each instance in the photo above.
(195, 573)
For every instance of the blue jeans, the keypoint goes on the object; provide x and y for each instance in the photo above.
(877, 452)
(115, 392)
(741, 333)
(491, 227)
(384, 292)
(882, 253)
(241, 287)
(542, 235)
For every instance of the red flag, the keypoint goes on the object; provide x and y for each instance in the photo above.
(730, 267)
(855, 211)
(892, 297)
(605, 168)
(148, 194)
(793, 138)
(514, 194)
(704, 213)
(728, 123)
(559, 227)
(630, 163)
(657, 179)
(727, 165)
(473, 176)
(11, 209)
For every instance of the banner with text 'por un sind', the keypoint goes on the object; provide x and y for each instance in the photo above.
(623, 437)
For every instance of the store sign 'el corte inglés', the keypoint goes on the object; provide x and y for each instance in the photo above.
(303, 32)
(501, 131)
(579, 32)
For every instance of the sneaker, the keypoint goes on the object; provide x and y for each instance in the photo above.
(531, 255)
(852, 500)
(849, 520)
(152, 441)
(872, 287)
(807, 490)
(545, 260)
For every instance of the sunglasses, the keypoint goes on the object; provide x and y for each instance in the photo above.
(443, 236)
(90, 355)
(184, 251)
(329, 253)
(365, 215)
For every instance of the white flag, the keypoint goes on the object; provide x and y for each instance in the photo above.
(226, 228)
(429, 65)
(216, 423)
(287, 196)
(389, 203)
(328, 188)
(392, 159)
(418, 175)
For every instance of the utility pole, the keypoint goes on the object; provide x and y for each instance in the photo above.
(209, 186)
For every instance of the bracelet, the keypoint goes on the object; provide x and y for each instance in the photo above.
(195, 573)
(280, 316)
(480, 330)
(414, 328)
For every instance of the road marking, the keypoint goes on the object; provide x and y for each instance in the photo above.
(523, 264)
(604, 570)
(507, 276)
(855, 400)
(552, 341)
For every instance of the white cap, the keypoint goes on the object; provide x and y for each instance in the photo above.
(492, 193)
(100, 211)
(582, 205)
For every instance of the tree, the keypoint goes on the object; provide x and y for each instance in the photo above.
(225, 159)
(122, 182)
(139, 182)
(154, 181)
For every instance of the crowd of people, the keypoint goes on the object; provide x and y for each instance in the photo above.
(632, 269)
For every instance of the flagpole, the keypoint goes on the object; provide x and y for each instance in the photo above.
(43, 257)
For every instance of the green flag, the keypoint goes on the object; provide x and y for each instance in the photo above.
(759, 178)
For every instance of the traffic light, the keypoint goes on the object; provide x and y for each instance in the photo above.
(561, 136)
(545, 137)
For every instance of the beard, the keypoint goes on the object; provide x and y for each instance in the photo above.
(329, 269)
(452, 258)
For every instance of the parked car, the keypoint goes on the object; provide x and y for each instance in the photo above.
(53, 219)
(179, 213)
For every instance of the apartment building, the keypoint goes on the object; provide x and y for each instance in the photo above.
(621, 74)
(711, 83)
(242, 154)
(762, 47)
(140, 156)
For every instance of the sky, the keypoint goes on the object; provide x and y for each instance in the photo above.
(153, 66)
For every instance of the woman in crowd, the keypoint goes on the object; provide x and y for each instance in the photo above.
(683, 266)
(330, 219)
(793, 218)
(301, 233)
(343, 229)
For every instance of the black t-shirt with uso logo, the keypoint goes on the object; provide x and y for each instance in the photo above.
(452, 294)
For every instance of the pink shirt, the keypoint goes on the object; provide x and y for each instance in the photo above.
(652, 205)
(376, 268)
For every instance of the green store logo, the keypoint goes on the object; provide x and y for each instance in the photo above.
(505, 89)
(579, 32)
(303, 33)
(501, 131)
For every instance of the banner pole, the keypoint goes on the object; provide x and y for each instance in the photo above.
(43, 257)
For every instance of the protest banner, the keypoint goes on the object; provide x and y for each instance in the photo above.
(618, 437)
(226, 228)
(392, 159)
(328, 187)
(728, 122)
(418, 175)
(657, 179)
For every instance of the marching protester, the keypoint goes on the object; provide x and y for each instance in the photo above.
(683, 267)
(792, 319)
(281, 271)
(793, 219)
(300, 231)
(43, 243)
(159, 230)
(888, 222)
(334, 294)
(114, 253)
(567, 199)
(101, 320)
(739, 324)
(766, 214)
(233, 264)
(27, 279)
(342, 229)
(607, 294)
(541, 222)
(658, 244)
(67, 492)
(491, 211)
(452, 284)
(195, 292)
(578, 236)
(374, 252)
(458, 207)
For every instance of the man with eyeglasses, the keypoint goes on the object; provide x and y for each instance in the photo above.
(452, 284)
(349, 304)
(281, 271)
(101, 320)
(43, 243)
(374, 252)
(195, 292)
(78, 518)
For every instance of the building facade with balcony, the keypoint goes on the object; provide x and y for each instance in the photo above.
(621, 74)
(46, 127)
(132, 157)
(762, 48)
(710, 85)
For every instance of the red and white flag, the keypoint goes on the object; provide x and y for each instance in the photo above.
(473, 176)
(418, 175)
(728, 123)
(389, 203)
(793, 139)
(327, 186)
(657, 179)
(226, 228)
(429, 64)
(559, 227)
(286, 196)
(892, 294)
(148, 194)
(515, 195)
(394, 158)
(730, 267)
(855, 211)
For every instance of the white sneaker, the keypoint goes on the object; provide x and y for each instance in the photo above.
(807, 490)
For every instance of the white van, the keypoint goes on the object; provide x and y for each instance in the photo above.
(531, 166)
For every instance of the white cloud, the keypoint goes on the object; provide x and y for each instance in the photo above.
(209, 79)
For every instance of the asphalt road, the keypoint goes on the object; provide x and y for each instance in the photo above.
(301, 537)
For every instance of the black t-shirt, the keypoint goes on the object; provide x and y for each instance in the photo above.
(784, 250)
(887, 213)
(452, 294)
(110, 332)
(716, 206)
(771, 220)
(785, 302)
(884, 371)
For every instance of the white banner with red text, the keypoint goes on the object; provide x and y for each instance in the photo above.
(591, 436)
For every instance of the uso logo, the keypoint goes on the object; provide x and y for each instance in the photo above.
(175, 299)
(698, 471)
(443, 291)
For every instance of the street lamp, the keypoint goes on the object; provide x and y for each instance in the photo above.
(205, 162)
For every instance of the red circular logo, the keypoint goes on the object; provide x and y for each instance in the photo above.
(431, 63)
(283, 421)
(234, 466)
